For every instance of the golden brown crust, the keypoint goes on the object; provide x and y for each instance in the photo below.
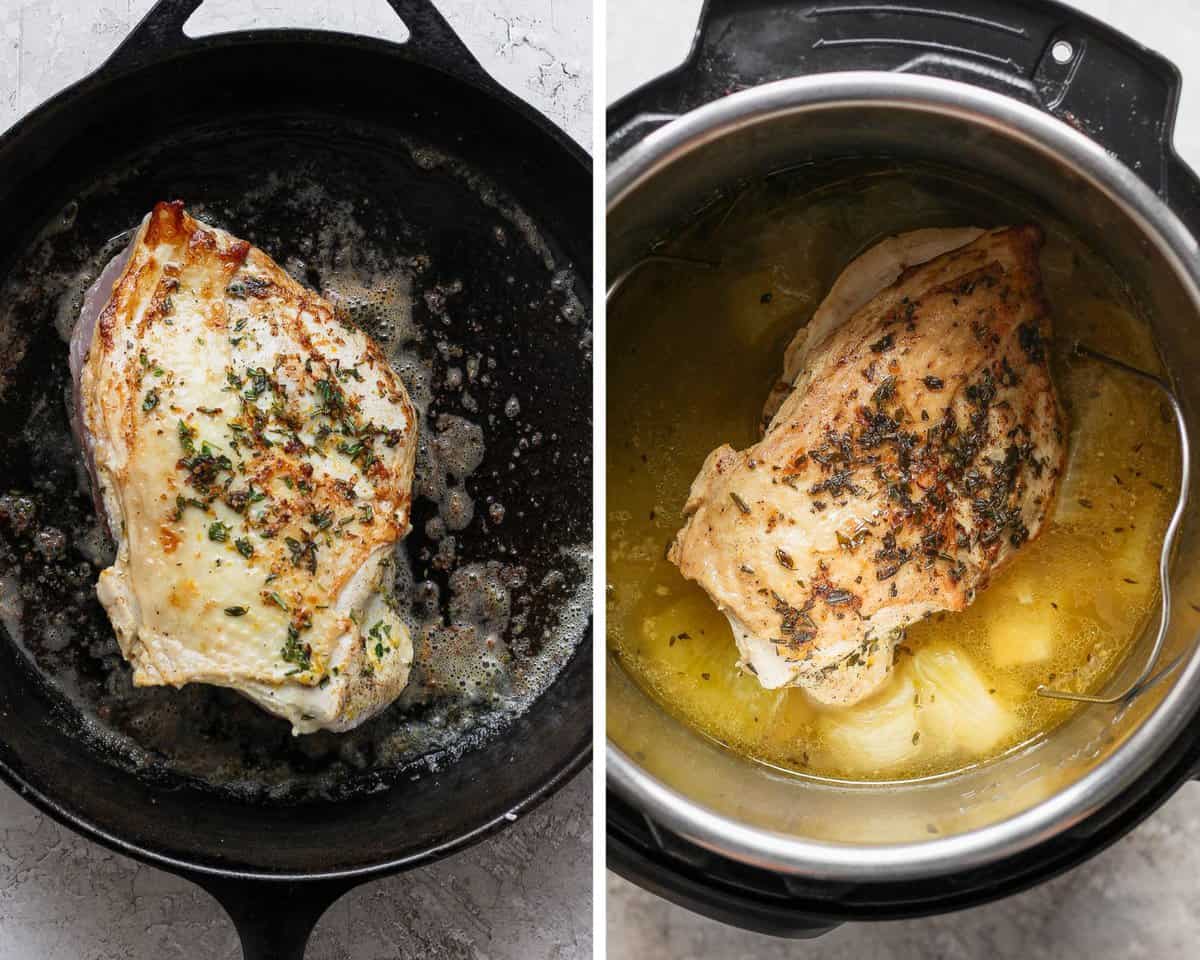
(242, 452)
(918, 449)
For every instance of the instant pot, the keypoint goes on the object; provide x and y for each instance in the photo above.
(1077, 116)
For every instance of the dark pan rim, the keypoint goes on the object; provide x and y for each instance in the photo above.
(108, 71)
(574, 763)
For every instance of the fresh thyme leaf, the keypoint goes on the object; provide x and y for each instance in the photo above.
(295, 652)
(187, 438)
(322, 519)
(884, 392)
(333, 401)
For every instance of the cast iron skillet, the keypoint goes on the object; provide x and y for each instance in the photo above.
(329, 151)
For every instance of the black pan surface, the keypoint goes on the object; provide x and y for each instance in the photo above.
(375, 175)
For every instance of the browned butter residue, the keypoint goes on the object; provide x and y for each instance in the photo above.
(168, 538)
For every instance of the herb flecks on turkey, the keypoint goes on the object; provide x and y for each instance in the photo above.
(252, 455)
(911, 449)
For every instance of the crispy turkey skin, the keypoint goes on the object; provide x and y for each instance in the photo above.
(252, 455)
(912, 447)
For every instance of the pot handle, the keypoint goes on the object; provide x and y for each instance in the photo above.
(274, 919)
(431, 40)
(1076, 69)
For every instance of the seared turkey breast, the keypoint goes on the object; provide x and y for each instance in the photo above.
(911, 448)
(252, 455)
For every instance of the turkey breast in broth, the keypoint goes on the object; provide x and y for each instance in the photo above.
(912, 447)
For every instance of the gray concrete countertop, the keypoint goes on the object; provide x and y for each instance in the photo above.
(1136, 899)
(521, 895)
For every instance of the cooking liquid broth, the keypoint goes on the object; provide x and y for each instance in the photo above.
(692, 355)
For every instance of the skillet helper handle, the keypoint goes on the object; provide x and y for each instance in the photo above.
(274, 920)
(431, 39)
(159, 33)
(1080, 71)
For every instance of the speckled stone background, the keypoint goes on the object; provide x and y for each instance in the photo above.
(522, 895)
(1139, 899)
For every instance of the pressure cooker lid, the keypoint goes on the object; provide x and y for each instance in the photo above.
(1044, 54)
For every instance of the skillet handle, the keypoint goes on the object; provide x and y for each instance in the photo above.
(431, 40)
(274, 920)
(158, 33)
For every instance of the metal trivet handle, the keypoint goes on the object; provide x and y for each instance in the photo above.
(1148, 677)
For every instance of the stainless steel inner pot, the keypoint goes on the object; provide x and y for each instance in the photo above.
(887, 833)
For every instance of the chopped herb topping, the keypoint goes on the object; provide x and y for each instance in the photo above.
(248, 287)
(884, 392)
(333, 401)
(182, 503)
(379, 630)
(260, 383)
(294, 651)
(322, 519)
(1030, 338)
(204, 467)
(304, 553)
(187, 437)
